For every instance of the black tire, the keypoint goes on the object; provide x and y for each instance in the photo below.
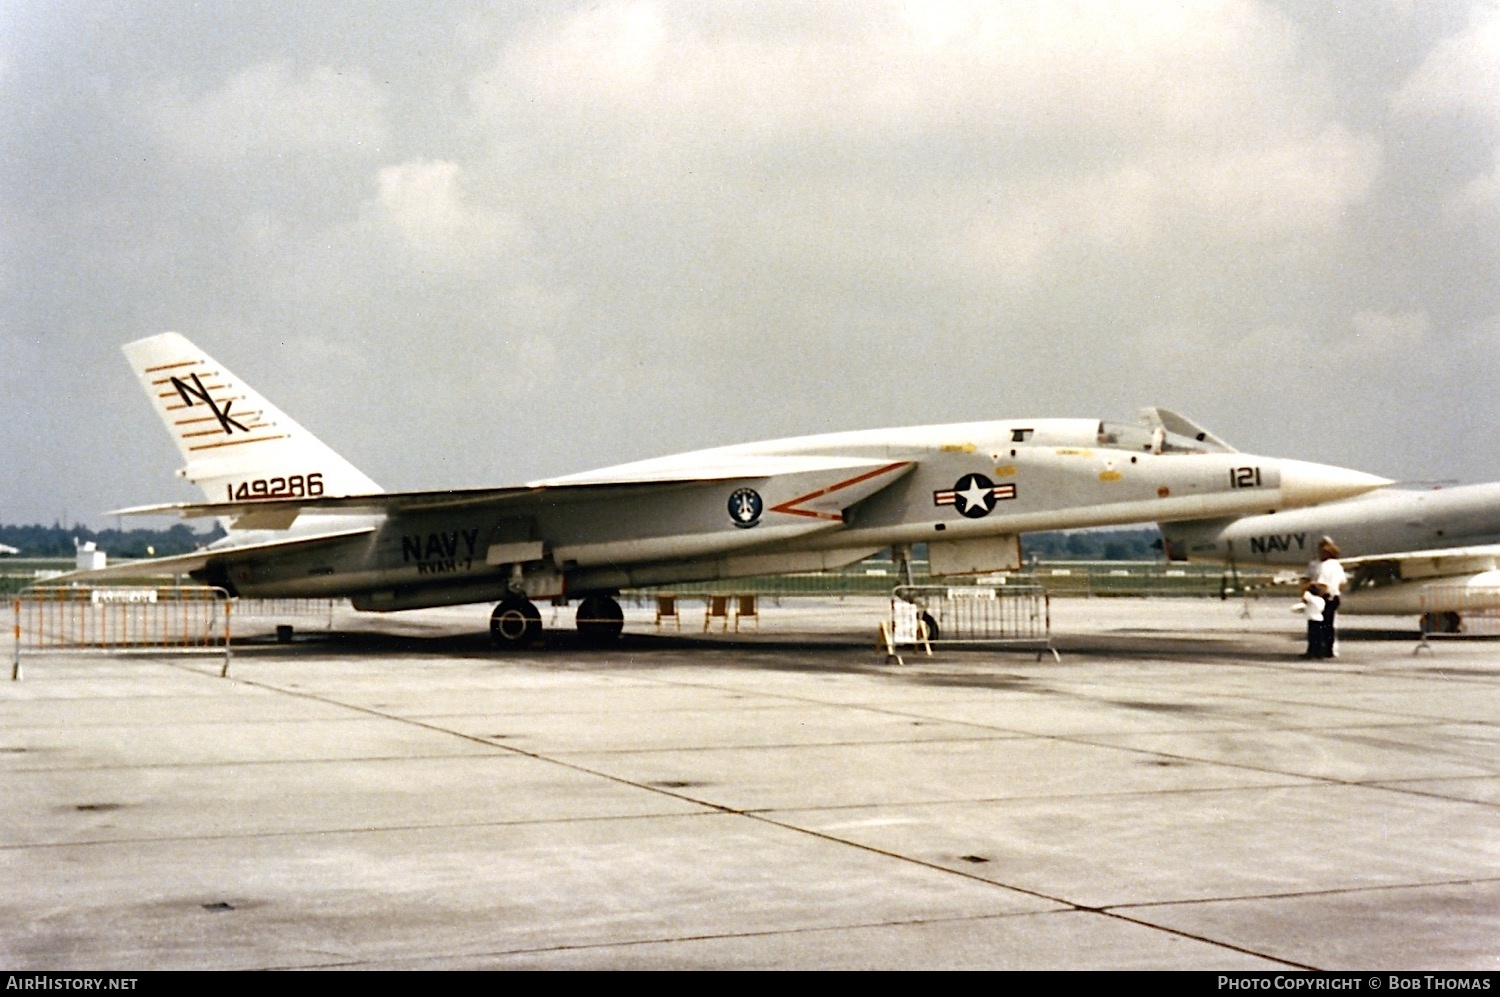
(931, 625)
(515, 623)
(600, 618)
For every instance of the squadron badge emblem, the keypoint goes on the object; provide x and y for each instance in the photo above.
(745, 508)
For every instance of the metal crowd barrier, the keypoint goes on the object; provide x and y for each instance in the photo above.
(1458, 610)
(254, 615)
(947, 615)
(67, 619)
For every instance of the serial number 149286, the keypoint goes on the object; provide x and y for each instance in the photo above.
(292, 486)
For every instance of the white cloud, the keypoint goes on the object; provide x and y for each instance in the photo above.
(645, 226)
(1293, 193)
(267, 111)
(1367, 343)
(1478, 201)
(997, 136)
(1460, 74)
(1133, 73)
(426, 205)
(1379, 336)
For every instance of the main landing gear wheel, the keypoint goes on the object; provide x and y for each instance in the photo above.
(516, 622)
(600, 618)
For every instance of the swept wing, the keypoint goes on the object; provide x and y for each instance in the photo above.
(863, 477)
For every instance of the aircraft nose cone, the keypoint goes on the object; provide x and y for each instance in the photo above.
(1303, 483)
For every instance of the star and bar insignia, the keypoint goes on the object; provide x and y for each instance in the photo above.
(974, 495)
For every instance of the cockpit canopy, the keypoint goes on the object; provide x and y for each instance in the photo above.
(1125, 436)
(1158, 431)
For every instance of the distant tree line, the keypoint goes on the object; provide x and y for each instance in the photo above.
(1094, 545)
(58, 540)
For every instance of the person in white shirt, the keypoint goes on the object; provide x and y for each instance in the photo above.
(1325, 570)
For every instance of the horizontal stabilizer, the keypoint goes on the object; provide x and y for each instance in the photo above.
(182, 564)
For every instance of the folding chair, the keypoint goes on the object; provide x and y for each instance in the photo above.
(666, 609)
(745, 609)
(718, 609)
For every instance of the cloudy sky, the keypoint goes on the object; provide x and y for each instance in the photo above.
(472, 244)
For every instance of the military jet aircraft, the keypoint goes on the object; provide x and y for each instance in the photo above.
(303, 522)
(1417, 551)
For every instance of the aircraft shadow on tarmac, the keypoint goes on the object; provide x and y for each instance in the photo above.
(978, 667)
(555, 642)
(780, 650)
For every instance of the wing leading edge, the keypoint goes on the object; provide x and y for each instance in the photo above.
(280, 513)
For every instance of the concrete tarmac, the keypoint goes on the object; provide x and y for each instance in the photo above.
(1181, 791)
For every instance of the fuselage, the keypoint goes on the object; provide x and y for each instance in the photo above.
(1431, 552)
(968, 490)
(1385, 522)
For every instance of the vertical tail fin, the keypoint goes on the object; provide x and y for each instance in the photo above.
(235, 445)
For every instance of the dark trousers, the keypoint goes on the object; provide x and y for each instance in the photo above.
(1326, 635)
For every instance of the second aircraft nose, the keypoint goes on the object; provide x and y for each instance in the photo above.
(1305, 483)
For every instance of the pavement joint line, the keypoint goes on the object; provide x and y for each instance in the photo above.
(335, 831)
(749, 815)
(769, 933)
(512, 749)
(1395, 786)
(1244, 766)
(245, 763)
(1427, 736)
(499, 747)
(1213, 941)
(1398, 717)
(758, 813)
(715, 809)
(556, 759)
(1070, 905)
(1295, 894)
(1305, 781)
